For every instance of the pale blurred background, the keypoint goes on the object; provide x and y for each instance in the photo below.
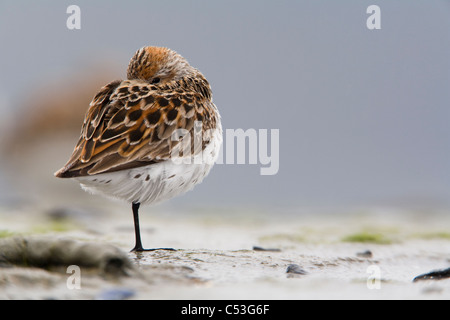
(363, 114)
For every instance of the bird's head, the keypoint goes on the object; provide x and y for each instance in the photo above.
(158, 65)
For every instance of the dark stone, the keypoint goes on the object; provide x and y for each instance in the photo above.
(364, 254)
(434, 275)
(295, 269)
(256, 248)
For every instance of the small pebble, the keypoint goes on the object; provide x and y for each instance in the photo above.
(295, 269)
(116, 294)
(364, 254)
(256, 248)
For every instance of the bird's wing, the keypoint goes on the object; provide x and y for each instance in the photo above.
(130, 124)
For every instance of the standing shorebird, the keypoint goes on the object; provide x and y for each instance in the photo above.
(150, 137)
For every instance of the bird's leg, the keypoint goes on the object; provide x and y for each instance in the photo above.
(138, 246)
(137, 232)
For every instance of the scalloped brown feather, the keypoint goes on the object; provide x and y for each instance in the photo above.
(130, 123)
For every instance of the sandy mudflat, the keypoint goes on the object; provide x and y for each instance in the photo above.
(336, 254)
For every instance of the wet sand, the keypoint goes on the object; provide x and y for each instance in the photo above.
(359, 254)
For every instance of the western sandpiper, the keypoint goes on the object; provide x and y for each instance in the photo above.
(135, 132)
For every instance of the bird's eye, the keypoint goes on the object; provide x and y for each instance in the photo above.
(156, 80)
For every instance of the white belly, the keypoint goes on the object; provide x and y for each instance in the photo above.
(156, 182)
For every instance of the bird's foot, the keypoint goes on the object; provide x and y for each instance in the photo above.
(140, 249)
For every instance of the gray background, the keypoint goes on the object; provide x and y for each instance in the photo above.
(363, 115)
